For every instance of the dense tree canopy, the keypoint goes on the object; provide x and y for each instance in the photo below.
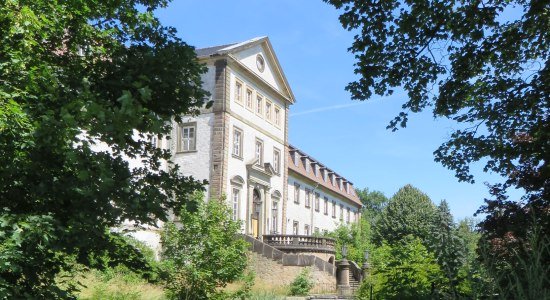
(483, 64)
(78, 82)
(409, 212)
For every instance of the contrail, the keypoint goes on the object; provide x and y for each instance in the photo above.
(320, 109)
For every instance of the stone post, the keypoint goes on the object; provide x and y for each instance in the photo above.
(365, 270)
(343, 272)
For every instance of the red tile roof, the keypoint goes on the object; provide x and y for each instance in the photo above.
(300, 169)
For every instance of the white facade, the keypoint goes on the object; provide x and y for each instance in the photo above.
(240, 146)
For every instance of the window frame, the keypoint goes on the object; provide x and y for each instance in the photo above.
(259, 109)
(295, 227)
(180, 142)
(240, 146)
(341, 212)
(277, 116)
(268, 108)
(317, 202)
(334, 209)
(307, 200)
(260, 161)
(235, 203)
(277, 165)
(238, 95)
(326, 206)
(307, 230)
(296, 193)
(249, 106)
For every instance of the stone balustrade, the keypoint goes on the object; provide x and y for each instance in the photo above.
(300, 243)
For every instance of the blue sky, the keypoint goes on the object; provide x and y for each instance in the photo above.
(348, 136)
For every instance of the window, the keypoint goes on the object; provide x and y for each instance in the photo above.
(259, 105)
(341, 212)
(277, 116)
(316, 231)
(295, 225)
(306, 229)
(314, 167)
(268, 110)
(317, 202)
(275, 216)
(348, 215)
(277, 160)
(235, 205)
(238, 92)
(249, 99)
(154, 140)
(308, 198)
(326, 206)
(306, 164)
(259, 152)
(324, 174)
(296, 193)
(187, 140)
(237, 142)
(334, 209)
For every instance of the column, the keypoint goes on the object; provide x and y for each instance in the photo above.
(249, 198)
(267, 210)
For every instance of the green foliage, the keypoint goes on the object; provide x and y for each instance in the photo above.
(409, 212)
(448, 248)
(302, 284)
(373, 201)
(203, 250)
(69, 121)
(404, 270)
(484, 65)
(356, 237)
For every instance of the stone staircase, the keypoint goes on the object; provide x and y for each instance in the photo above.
(354, 283)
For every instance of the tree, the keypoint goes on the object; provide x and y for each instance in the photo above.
(483, 64)
(409, 212)
(373, 201)
(449, 249)
(405, 270)
(203, 251)
(83, 87)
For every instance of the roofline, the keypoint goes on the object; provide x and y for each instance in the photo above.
(293, 148)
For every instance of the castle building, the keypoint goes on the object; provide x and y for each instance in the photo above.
(240, 145)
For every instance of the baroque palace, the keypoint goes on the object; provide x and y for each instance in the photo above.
(240, 145)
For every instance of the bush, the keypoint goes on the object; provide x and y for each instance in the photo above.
(302, 284)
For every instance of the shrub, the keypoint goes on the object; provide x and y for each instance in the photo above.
(302, 284)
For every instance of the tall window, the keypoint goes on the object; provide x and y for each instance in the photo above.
(237, 142)
(334, 209)
(326, 206)
(306, 229)
(308, 198)
(317, 202)
(348, 215)
(296, 193)
(249, 99)
(277, 160)
(259, 152)
(341, 212)
(268, 110)
(187, 140)
(295, 225)
(277, 116)
(235, 203)
(275, 216)
(259, 104)
(238, 92)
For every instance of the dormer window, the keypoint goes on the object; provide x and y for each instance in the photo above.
(306, 163)
(314, 167)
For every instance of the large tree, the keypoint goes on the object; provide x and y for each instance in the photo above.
(483, 64)
(409, 212)
(83, 86)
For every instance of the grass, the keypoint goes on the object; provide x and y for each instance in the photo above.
(117, 284)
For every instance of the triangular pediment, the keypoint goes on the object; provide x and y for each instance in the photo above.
(256, 56)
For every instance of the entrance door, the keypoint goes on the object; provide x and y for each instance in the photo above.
(256, 208)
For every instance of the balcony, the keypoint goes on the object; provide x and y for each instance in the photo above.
(300, 243)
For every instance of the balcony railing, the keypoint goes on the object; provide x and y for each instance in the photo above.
(292, 243)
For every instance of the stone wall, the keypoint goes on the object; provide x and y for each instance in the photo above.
(278, 269)
(274, 274)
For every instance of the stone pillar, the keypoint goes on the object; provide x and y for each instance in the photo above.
(249, 209)
(266, 210)
(365, 270)
(344, 288)
(261, 222)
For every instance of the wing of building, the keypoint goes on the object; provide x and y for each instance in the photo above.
(240, 145)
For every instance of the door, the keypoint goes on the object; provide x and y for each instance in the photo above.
(256, 208)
